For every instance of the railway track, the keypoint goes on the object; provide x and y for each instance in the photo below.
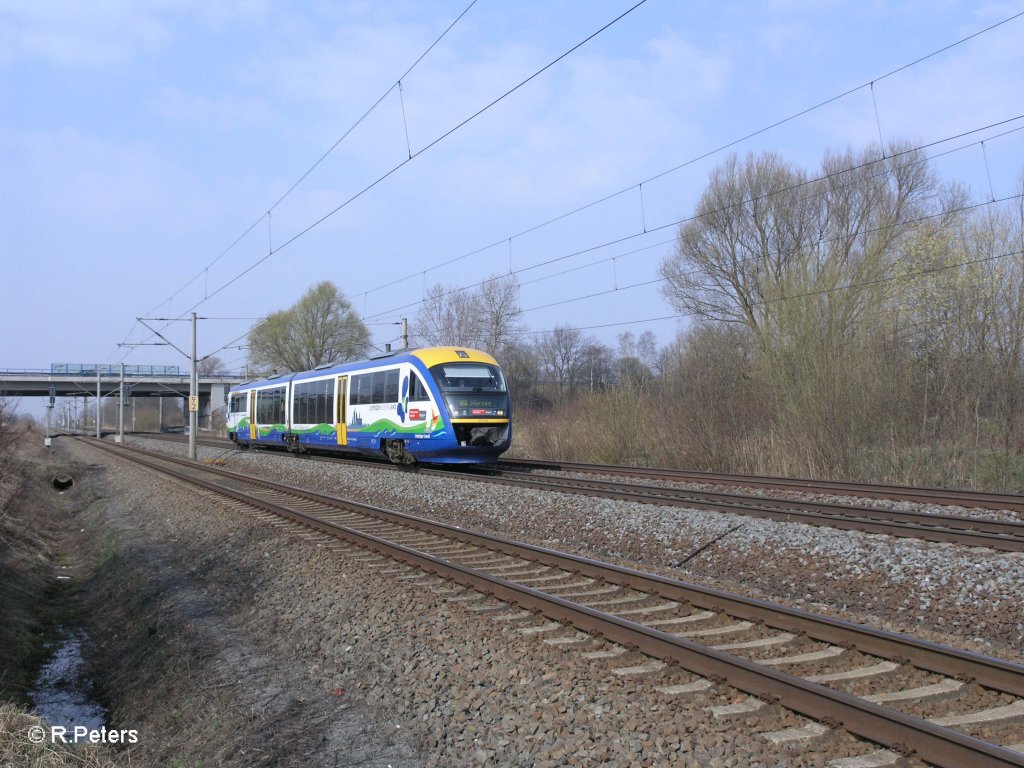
(1002, 535)
(948, 707)
(971, 531)
(922, 495)
(940, 496)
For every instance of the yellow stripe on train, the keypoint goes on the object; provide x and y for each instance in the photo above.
(432, 356)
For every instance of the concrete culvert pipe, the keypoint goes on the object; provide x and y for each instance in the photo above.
(62, 482)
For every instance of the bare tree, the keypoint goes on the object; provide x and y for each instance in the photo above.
(596, 367)
(770, 247)
(964, 326)
(322, 327)
(485, 318)
(209, 365)
(560, 351)
(449, 317)
(8, 419)
(498, 306)
(521, 363)
(637, 358)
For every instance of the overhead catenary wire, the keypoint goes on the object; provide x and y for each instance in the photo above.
(710, 153)
(791, 297)
(314, 166)
(508, 239)
(419, 152)
(412, 157)
(695, 217)
(941, 214)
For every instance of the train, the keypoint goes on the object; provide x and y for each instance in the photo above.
(436, 405)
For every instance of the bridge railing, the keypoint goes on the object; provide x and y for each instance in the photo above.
(153, 371)
(86, 369)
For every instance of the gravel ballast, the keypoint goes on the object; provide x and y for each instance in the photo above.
(945, 593)
(462, 688)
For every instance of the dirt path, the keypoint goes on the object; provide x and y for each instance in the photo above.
(177, 643)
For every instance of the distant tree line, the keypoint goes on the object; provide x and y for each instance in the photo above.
(863, 320)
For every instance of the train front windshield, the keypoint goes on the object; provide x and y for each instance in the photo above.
(473, 390)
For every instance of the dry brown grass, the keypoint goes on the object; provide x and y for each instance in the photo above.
(25, 578)
(693, 430)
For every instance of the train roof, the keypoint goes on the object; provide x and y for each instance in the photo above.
(428, 356)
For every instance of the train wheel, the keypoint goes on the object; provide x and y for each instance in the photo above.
(396, 453)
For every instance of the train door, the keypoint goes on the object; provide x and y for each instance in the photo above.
(342, 423)
(253, 431)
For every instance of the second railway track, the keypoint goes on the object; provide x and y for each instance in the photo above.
(941, 496)
(1002, 535)
(644, 616)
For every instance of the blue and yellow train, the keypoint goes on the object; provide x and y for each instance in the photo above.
(436, 405)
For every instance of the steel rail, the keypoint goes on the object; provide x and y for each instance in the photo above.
(1000, 535)
(906, 733)
(1004, 535)
(990, 672)
(924, 495)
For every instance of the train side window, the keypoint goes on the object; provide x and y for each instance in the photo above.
(378, 387)
(325, 390)
(362, 387)
(299, 404)
(391, 386)
(270, 406)
(330, 399)
(418, 390)
(277, 406)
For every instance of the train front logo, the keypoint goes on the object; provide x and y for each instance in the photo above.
(403, 404)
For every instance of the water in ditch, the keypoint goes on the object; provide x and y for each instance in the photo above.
(62, 694)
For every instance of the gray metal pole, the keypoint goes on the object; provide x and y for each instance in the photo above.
(193, 399)
(49, 411)
(120, 409)
(133, 414)
(99, 402)
(405, 333)
(160, 426)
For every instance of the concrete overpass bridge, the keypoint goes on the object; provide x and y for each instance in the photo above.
(104, 381)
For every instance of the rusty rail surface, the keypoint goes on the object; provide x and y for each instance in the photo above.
(942, 496)
(1001, 535)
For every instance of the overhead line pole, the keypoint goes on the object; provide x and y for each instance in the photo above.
(193, 388)
(193, 397)
(120, 409)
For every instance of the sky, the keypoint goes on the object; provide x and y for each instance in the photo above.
(150, 150)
